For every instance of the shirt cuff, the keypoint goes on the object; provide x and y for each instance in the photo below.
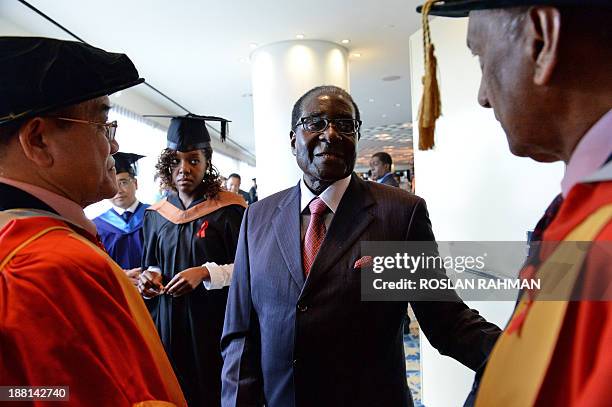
(154, 269)
(220, 275)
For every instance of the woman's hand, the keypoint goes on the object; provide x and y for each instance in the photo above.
(150, 284)
(186, 281)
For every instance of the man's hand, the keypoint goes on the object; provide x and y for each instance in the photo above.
(186, 281)
(150, 284)
(133, 275)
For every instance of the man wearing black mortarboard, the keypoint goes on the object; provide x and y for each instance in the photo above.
(546, 72)
(120, 228)
(68, 314)
(190, 241)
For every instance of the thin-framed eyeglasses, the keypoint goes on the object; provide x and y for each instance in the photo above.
(111, 127)
(315, 124)
(124, 183)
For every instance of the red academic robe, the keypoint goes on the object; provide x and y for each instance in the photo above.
(70, 317)
(580, 373)
(567, 362)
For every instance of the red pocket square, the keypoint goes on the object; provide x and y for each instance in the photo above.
(365, 261)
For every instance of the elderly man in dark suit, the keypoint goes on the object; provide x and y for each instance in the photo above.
(296, 332)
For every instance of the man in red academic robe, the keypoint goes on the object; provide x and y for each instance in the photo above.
(69, 316)
(546, 74)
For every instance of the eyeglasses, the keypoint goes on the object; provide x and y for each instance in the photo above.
(320, 124)
(124, 183)
(111, 128)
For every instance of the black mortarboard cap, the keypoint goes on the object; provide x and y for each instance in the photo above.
(430, 107)
(42, 74)
(188, 133)
(126, 162)
(461, 8)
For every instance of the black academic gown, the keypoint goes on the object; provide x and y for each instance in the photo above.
(190, 326)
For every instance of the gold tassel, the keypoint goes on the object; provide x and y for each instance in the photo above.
(430, 107)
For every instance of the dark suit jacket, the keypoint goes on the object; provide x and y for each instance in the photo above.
(315, 343)
(389, 179)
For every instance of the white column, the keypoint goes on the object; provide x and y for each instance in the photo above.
(281, 73)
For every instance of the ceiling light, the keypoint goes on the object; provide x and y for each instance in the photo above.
(384, 115)
(345, 41)
(253, 45)
(300, 36)
(371, 100)
(356, 55)
(397, 105)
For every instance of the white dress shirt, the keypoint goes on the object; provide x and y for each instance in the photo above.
(132, 208)
(331, 196)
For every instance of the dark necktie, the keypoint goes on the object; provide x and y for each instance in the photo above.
(126, 216)
(530, 267)
(538, 232)
(314, 234)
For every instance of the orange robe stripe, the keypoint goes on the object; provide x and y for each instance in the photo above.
(143, 320)
(179, 216)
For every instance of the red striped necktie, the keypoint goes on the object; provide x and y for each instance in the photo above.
(314, 234)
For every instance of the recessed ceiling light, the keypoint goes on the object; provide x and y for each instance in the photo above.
(300, 36)
(356, 55)
(371, 100)
(384, 115)
(345, 41)
(397, 105)
(253, 45)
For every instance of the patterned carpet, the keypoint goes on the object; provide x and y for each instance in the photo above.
(412, 349)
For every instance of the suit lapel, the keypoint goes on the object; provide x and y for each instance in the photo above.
(286, 225)
(349, 222)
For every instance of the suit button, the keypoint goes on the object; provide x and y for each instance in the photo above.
(295, 362)
(302, 307)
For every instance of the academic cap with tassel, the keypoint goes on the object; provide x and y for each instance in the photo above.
(188, 133)
(430, 107)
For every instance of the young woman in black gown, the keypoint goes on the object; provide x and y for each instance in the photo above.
(189, 247)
